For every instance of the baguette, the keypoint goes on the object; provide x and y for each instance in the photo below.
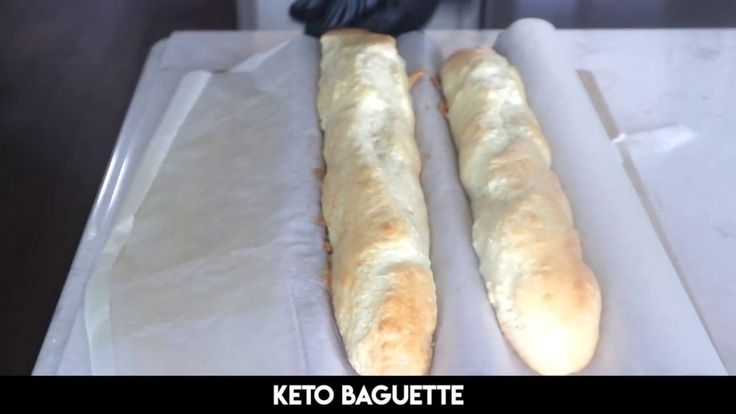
(381, 284)
(546, 299)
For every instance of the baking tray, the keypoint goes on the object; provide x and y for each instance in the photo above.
(633, 352)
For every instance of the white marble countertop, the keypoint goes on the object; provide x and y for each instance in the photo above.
(648, 78)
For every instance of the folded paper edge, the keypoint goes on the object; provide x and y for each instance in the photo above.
(97, 291)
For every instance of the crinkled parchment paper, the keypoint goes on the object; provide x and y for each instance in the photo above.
(216, 261)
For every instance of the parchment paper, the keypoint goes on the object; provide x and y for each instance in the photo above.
(219, 261)
(218, 270)
(649, 325)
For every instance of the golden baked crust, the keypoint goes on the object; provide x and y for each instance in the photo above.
(381, 283)
(547, 300)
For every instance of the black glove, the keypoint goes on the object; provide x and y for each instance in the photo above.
(382, 16)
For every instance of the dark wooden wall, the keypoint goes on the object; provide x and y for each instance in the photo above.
(612, 13)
